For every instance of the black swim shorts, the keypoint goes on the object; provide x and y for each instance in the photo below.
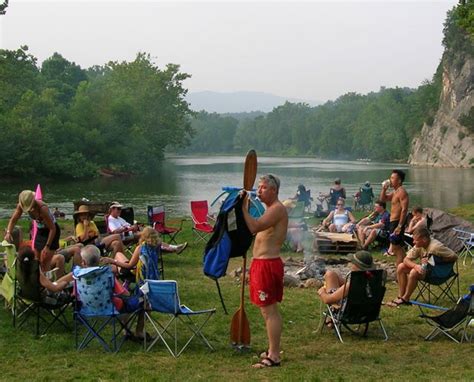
(394, 238)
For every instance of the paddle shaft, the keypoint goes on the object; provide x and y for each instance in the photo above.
(242, 295)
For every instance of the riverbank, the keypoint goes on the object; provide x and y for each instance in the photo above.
(307, 353)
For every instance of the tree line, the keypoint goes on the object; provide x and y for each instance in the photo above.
(379, 125)
(60, 120)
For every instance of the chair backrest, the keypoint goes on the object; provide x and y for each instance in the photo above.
(366, 195)
(29, 286)
(156, 216)
(7, 287)
(305, 197)
(163, 296)
(441, 271)
(128, 215)
(148, 265)
(366, 292)
(94, 290)
(199, 211)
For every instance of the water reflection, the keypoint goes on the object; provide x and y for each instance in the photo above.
(182, 179)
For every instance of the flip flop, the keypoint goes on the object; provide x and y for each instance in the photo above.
(263, 354)
(266, 362)
(396, 304)
(388, 254)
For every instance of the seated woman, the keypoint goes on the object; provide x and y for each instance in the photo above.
(88, 233)
(146, 259)
(335, 288)
(51, 289)
(339, 220)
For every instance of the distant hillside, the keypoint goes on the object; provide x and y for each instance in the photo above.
(238, 102)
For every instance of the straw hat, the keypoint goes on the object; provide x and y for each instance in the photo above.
(83, 209)
(288, 203)
(26, 200)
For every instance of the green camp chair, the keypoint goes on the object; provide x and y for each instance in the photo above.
(7, 287)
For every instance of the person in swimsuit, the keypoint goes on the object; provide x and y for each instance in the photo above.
(266, 270)
(48, 232)
(339, 220)
(398, 212)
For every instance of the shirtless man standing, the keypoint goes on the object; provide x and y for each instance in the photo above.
(398, 211)
(266, 270)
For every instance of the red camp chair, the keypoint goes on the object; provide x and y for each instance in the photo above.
(200, 214)
(157, 217)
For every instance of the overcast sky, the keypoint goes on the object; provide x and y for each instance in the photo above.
(311, 50)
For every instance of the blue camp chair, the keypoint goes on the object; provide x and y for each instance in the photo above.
(453, 323)
(442, 282)
(95, 310)
(162, 296)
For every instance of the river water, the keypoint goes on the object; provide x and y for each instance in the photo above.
(181, 179)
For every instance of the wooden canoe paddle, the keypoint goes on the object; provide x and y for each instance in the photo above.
(240, 327)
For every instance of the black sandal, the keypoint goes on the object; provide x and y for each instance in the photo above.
(266, 362)
(396, 304)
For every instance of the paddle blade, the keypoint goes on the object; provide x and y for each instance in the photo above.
(250, 170)
(240, 328)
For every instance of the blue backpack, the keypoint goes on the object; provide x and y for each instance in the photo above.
(231, 236)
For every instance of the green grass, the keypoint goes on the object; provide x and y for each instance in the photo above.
(465, 211)
(307, 354)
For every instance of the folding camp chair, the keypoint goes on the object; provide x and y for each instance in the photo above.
(439, 283)
(157, 219)
(31, 300)
(94, 309)
(362, 304)
(450, 321)
(200, 215)
(366, 199)
(162, 296)
(7, 286)
(467, 240)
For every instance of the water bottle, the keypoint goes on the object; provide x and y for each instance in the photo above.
(424, 267)
(368, 290)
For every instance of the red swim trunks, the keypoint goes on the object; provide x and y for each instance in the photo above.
(266, 281)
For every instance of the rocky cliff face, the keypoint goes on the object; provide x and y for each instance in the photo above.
(449, 141)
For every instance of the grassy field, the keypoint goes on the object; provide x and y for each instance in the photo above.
(307, 353)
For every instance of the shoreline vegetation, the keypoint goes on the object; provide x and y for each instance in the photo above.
(58, 120)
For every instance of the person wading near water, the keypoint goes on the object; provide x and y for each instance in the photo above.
(398, 212)
(266, 270)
